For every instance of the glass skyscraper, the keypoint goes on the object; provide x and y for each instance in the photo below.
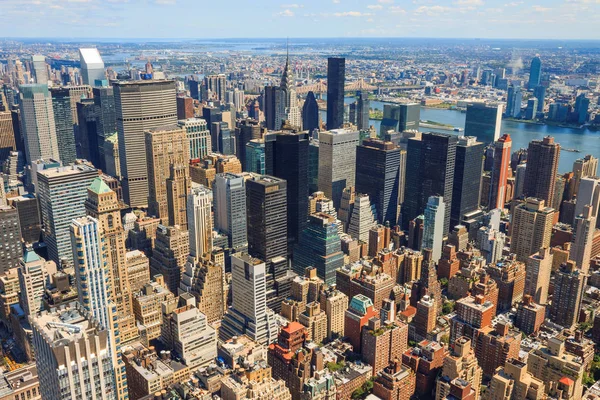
(535, 73)
(484, 122)
(336, 77)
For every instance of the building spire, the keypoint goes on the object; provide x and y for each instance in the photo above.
(287, 79)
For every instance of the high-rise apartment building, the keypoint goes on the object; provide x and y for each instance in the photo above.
(337, 162)
(216, 85)
(531, 228)
(10, 231)
(461, 363)
(70, 338)
(467, 178)
(335, 304)
(200, 221)
(198, 136)
(568, 291)
(63, 119)
(377, 174)
(7, 135)
(140, 106)
(37, 123)
(429, 172)
(498, 185)
(537, 275)
(582, 168)
(336, 78)
(581, 249)
(229, 202)
(62, 193)
(166, 147)
(171, 248)
(433, 234)
(34, 273)
(513, 381)
(92, 66)
(204, 279)
(483, 121)
(542, 169)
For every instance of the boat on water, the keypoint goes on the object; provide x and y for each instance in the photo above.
(457, 129)
(572, 150)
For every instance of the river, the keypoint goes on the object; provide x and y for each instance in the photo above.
(588, 142)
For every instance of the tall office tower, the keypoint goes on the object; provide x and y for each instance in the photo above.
(377, 174)
(198, 136)
(433, 234)
(70, 338)
(225, 140)
(266, 208)
(178, 186)
(337, 162)
(103, 205)
(566, 298)
(200, 221)
(362, 111)
(310, 113)
(313, 165)
(336, 78)
(140, 106)
(581, 250)
(274, 107)
(248, 313)
(62, 192)
(460, 364)
(535, 73)
(502, 154)
(171, 248)
(467, 178)
(520, 173)
(93, 276)
(104, 99)
(255, 156)
(539, 92)
(37, 123)
(361, 219)
(185, 107)
(582, 168)
(39, 69)
(111, 156)
(293, 115)
(542, 168)
(61, 106)
(319, 247)
(514, 98)
(247, 130)
(289, 157)
(7, 135)
(588, 193)
(210, 115)
(400, 118)
(165, 147)
(89, 145)
(34, 273)
(92, 66)
(537, 275)
(10, 231)
(216, 84)
(229, 194)
(429, 172)
(531, 228)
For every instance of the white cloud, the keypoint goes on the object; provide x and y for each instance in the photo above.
(165, 2)
(336, 1)
(539, 8)
(351, 14)
(292, 6)
(286, 13)
(469, 2)
(431, 10)
(374, 6)
(397, 10)
(386, 1)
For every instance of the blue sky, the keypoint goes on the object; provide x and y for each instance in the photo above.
(536, 19)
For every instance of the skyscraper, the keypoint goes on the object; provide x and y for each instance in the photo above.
(165, 147)
(247, 130)
(337, 162)
(170, 252)
(377, 174)
(274, 107)
(484, 122)
(92, 66)
(39, 69)
(34, 273)
(198, 136)
(140, 106)
(566, 298)
(535, 73)
(537, 275)
(502, 154)
(62, 339)
(362, 111)
(540, 94)
(467, 178)
(216, 85)
(433, 233)
(582, 168)
(336, 78)
(104, 99)
(61, 106)
(7, 135)
(429, 172)
(310, 113)
(581, 250)
(292, 111)
(514, 98)
(320, 247)
(230, 209)
(200, 221)
(10, 232)
(255, 156)
(62, 192)
(542, 168)
(531, 228)
(37, 123)
(248, 313)
(400, 118)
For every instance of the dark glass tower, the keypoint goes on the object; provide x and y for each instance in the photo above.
(246, 130)
(400, 118)
(310, 113)
(362, 112)
(319, 247)
(274, 107)
(336, 77)
(89, 143)
(377, 174)
(535, 73)
(429, 172)
(483, 122)
(63, 120)
(467, 178)
(540, 94)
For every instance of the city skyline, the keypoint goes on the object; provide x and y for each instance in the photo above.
(570, 19)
